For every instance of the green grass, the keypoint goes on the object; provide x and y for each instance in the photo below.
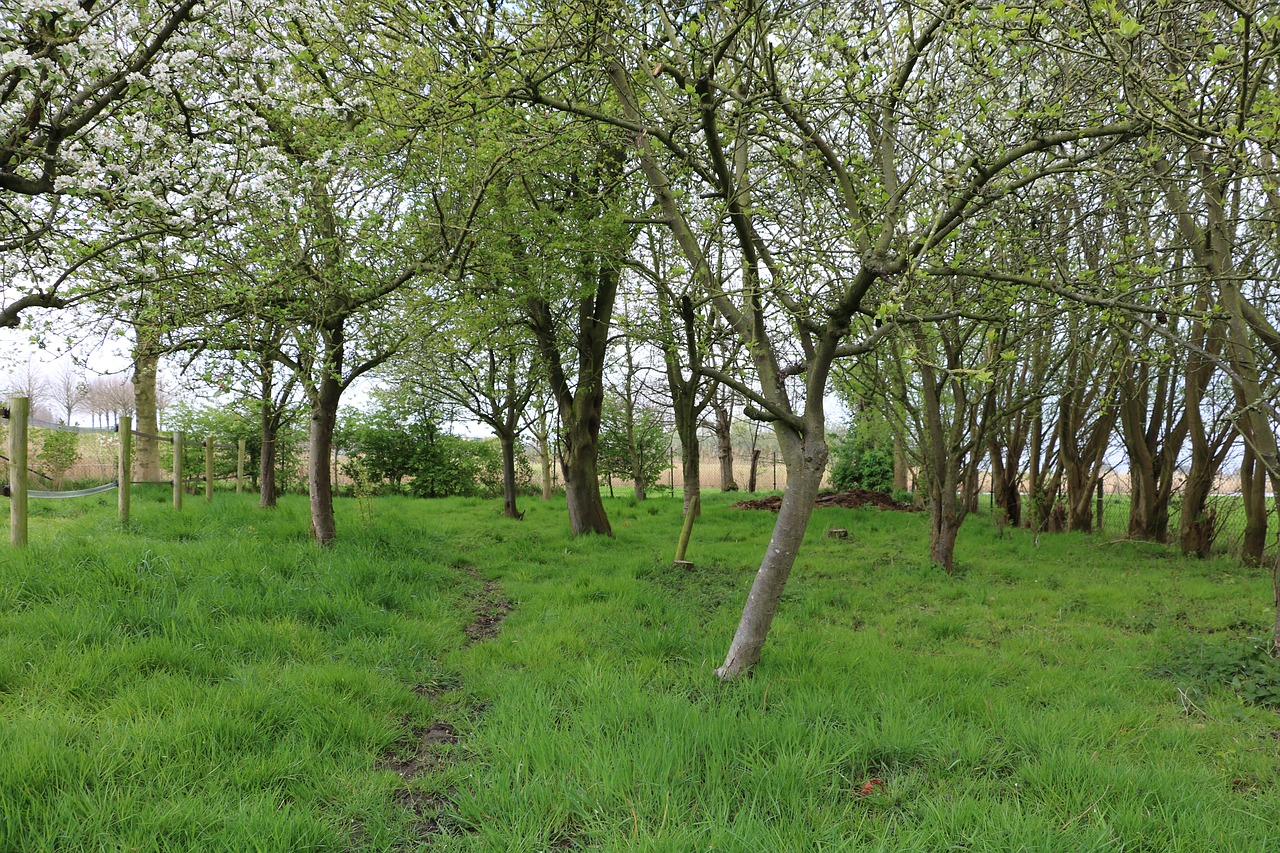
(211, 681)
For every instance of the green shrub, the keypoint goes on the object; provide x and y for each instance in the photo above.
(385, 455)
(859, 463)
(58, 452)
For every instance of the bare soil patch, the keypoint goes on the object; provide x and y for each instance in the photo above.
(491, 609)
(848, 500)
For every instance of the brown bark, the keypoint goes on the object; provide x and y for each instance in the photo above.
(1253, 491)
(1152, 438)
(267, 492)
(724, 443)
(146, 362)
(690, 463)
(581, 405)
(1086, 418)
(542, 434)
(579, 465)
(509, 491)
(324, 416)
(901, 461)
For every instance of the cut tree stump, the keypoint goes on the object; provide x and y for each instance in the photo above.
(838, 533)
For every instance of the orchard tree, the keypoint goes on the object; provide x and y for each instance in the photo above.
(109, 138)
(842, 150)
(364, 218)
(481, 363)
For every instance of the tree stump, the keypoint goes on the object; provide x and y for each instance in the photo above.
(837, 533)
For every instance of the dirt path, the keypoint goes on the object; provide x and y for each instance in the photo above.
(426, 750)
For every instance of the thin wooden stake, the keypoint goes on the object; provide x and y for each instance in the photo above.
(240, 465)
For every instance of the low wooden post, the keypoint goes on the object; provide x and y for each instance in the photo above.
(240, 465)
(18, 410)
(208, 469)
(177, 470)
(124, 475)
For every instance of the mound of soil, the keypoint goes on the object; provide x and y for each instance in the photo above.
(849, 500)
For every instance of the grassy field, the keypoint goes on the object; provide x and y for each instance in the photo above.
(211, 681)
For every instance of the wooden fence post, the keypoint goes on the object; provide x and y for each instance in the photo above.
(125, 473)
(1099, 499)
(177, 470)
(208, 468)
(240, 465)
(18, 409)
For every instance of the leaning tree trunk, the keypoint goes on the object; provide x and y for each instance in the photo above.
(806, 463)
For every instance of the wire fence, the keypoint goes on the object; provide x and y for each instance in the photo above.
(44, 457)
(65, 462)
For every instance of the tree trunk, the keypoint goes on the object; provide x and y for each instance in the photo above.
(972, 489)
(147, 450)
(690, 462)
(901, 464)
(324, 416)
(580, 466)
(755, 468)
(267, 461)
(1253, 490)
(580, 408)
(1006, 495)
(724, 446)
(543, 437)
(270, 422)
(944, 526)
(806, 465)
(1196, 528)
(508, 444)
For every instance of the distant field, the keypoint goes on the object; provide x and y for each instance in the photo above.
(447, 678)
